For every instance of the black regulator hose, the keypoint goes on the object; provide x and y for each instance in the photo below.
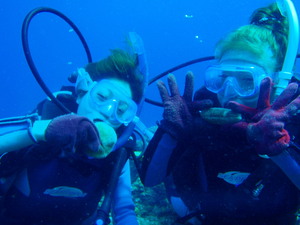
(27, 52)
(180, 66)
(120, 158)
(38, 78)
(194, 61)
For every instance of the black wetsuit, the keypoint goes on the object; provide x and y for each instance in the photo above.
(219, 174)
(43, 186)
(46, 185)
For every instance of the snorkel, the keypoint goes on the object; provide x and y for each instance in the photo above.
(122, 154)
(283, 77)
(287, 9)
(137, 47)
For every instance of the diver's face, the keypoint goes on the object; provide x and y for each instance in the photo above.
(243, 58)
(106, 100)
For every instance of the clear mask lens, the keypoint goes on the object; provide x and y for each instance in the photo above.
(245, 80)
(112, 103)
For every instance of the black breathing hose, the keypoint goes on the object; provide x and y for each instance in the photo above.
(180, 66)
(27, 52)
(191, 62)
(37, 76)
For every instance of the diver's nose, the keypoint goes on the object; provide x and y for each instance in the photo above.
(227, 94)
(229, 90)
(107, 112)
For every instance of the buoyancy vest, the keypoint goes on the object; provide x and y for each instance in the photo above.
(40, 178)
(223, 178)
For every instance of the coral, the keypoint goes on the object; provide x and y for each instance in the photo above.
(151, 204)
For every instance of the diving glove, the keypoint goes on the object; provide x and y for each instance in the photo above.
(69, 132)
(179, 110)
(267, 122)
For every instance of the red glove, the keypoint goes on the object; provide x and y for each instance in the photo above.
(73, 133)
(267, 128)
(179, 110)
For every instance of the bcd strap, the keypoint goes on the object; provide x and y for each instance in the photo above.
(49, 110)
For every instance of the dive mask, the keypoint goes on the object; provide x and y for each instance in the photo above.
(244, 79)
(111, 102)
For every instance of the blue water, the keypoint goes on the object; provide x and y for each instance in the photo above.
(174, 31)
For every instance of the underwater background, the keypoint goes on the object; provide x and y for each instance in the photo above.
(173, 31)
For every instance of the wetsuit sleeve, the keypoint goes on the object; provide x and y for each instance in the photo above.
(156, 159)
(14, 141)
(289, 162)
(123, 206)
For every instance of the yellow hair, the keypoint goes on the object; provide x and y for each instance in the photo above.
(250, 38)
(268, 29)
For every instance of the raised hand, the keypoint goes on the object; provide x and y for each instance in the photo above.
(73, 133)
(267, 122)
(179, 110)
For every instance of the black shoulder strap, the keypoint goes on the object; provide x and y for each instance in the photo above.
(48, 110)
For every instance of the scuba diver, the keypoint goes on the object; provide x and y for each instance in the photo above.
(56, 167)
(230, 153)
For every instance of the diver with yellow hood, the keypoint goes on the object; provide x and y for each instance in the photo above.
(230, 154)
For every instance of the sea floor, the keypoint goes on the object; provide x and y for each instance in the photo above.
(151, 204)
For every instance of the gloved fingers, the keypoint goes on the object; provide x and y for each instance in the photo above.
(264, 93)
(277, 125)
(268, 127)
(246, 111)
(93, 138)
(272, 116)
(163, 91)
(293, 107)
(62, 129)
(285, 139)
(71, 133)
(277, 134)
(286, 96)
(189, 86)
(281, 143)
(174, 91)
(271, 129)
(274, 146)
(87, 136)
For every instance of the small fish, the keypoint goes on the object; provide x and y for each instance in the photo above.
(220, 116)
(234, 177)
(65, 191)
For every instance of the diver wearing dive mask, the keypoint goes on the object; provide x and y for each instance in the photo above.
(112, 103)
(106, 100)
(235, 80)
(244, 79)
